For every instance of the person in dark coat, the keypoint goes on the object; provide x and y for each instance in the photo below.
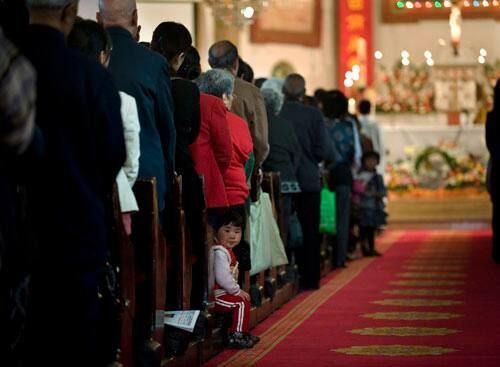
(144, 75)
(493, 144)
(315, 146)
(284, 153)
(172, 40)
(343, 134)
(78, 113)
(17, 116)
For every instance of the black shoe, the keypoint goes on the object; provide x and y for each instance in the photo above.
(239, 341)
(253, 338)
(375, 253)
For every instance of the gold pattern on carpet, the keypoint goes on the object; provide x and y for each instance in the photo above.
(432, 275)
(303, 310)
(423, 292)
(418, 302)
(429, 283)
(395, 350)
(434, 267)
(404, 331)
(412, 315)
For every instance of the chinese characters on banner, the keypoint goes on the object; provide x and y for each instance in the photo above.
(355, 42)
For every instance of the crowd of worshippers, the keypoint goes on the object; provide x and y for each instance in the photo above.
(85, 106)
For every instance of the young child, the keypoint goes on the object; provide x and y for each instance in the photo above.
(372, 214)
(229, 297)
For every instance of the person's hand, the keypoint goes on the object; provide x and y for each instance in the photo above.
(244, 295)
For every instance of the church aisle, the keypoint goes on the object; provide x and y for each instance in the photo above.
(431, 300)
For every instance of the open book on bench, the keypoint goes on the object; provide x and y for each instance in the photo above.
(184, 320)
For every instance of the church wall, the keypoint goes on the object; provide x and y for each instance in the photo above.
(392, 38)
(150, 15)
(317, 65)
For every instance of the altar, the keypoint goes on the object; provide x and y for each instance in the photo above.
(406, 135)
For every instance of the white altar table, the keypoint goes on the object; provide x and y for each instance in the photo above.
(399, 137)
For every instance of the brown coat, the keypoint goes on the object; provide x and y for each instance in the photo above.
(249, 105)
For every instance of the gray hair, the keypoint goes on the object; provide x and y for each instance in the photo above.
(272, 99)
(216, 82)
(116, 10)
(48, 4)
(274, 84)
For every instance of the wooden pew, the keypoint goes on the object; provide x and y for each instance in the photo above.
(268, 279)
(122, 257)
(283, 291)
(150, 255)
(179, 347)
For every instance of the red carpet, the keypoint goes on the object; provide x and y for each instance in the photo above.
(433, 299)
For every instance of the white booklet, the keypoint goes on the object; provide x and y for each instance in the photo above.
(185, 320)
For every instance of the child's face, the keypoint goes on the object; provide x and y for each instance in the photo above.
(229, 235)
(370, 163)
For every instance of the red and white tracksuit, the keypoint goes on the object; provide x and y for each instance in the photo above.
(227, 289)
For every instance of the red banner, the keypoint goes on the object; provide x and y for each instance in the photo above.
(355, 40)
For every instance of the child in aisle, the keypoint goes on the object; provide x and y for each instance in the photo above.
(229, 297)
(373, 214)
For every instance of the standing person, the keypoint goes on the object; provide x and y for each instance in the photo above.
(173, 40)
(372, 129)
(245, 71)
(285, 152)
(493, 143)
(315, 147)
(17, 114)
(372, 214)
(78, 113)
(220, 83)
(248, 102)
(91, 39)
(343, 134)
(144, 75)
(212, 153)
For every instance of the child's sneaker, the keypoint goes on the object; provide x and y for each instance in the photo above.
(255, 339)
(239, 341)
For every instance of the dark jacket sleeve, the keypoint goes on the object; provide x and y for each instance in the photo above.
(493, 135)
(220, 137)
(186, 96)
(295, 150)
(321, 144)
(164, 118)
(108, 120)
(195, 118)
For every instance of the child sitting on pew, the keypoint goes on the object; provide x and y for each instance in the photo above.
(229, 297)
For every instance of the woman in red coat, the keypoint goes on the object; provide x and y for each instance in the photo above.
(212, 151)
(220, 83)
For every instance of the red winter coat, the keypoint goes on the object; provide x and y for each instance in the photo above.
(234, 178)
(212, 151)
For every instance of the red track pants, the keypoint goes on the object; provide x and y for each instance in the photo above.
(240, 309)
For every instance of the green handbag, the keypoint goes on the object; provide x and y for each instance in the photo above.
(328, 211)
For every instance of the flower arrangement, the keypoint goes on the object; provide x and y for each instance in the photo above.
(469, 172)
(436, 168)
(400, 177)
(405, 89)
